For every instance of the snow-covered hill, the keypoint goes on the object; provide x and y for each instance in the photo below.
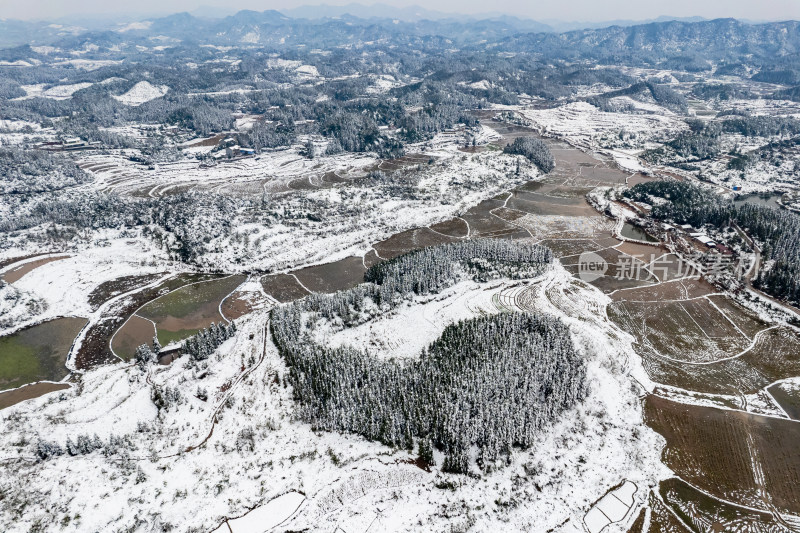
(142, 92)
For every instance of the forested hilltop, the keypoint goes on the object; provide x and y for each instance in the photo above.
(492, 382)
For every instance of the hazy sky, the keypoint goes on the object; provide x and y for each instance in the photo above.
(571, 10)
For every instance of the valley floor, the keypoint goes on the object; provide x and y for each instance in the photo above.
(225, 452)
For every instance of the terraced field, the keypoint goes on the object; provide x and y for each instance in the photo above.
(693, 339)
(115, 308)
(688, 331)
(245, 176)
(743, 373)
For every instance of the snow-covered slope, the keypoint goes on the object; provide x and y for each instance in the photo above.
(57, 92)
(142, 92)
(228, 443)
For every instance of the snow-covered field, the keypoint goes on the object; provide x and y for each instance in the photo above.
(227, 453)
(57, 92)
(142, 92)
(269, 172)
(196, 463)
(587, 126)
(64, 286)
(452, 183)
(18, 125)
(425, 317)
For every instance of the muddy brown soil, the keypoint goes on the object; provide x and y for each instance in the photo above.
(236, 306)
(210, 142)
(639, 178)
(371, 258)
(11, 260)
(109, 289)
(455, 227)
(28, 392)
(642, 252)
(283, 287)
(134, 333)
(741, 457)
(674, 290)
(407, 241)
(331, 277)
(16, 273)
(482, 223)
(788, 399)
(406, 161)
(95, 350)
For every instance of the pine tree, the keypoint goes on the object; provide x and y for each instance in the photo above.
(425, 451)
(141, 477)
(71, 447)
(310, 151)
(46, 450)
(143, 356)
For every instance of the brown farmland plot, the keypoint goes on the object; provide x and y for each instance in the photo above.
(745, 320)
(28, 392)
(37, 353)
(788, 397)
(683, 289)
(691, 331)
(743, 458)
(704, 513)
(95, 348)
(16, 273)
(109, 289)
(283, 287)
(455, 227)
(332, 277)
(407, 241)
(662, 520)
(181, 313)
(135, 332)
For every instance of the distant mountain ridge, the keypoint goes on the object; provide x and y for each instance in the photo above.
(408, 13)
(712, 39)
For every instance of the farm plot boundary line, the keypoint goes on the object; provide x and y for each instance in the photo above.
(717, 406)
(707, 363)
(95, 316)
(157, 282)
